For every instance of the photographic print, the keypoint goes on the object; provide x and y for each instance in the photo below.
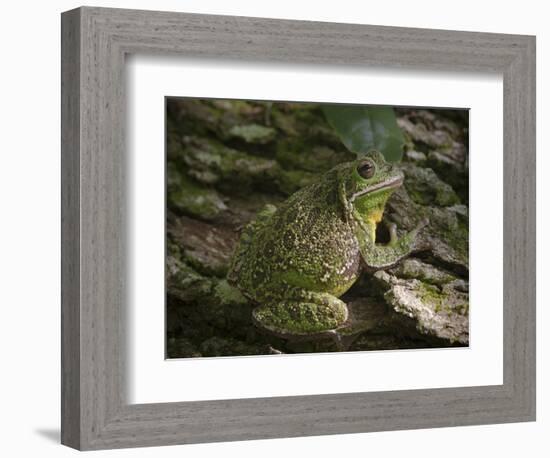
(297, 227)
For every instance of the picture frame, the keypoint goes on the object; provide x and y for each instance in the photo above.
(95, 410)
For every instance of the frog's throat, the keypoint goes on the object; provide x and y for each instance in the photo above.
(392, 183)
(369, 207)
(370, 220)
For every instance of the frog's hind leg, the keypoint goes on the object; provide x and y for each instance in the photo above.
(303, 313)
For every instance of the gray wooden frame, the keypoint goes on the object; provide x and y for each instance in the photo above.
(95, 413)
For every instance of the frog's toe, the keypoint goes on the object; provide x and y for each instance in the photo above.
(392, 229)
(301, 318)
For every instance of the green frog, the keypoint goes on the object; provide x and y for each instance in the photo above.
(298, 259)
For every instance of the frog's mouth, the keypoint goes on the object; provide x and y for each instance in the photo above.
(392, 183)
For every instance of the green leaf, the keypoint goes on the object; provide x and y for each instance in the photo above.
(363, 128)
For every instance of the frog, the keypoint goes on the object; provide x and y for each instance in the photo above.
(295, 261)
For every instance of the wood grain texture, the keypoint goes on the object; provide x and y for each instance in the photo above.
(95, 413)
(70, 229)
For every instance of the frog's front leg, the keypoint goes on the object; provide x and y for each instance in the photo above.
(378, 257)
(302, 313)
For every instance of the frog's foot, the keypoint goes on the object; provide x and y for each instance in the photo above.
(376, 257)
(315, 313)
(392, 229)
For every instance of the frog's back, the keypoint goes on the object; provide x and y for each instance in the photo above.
(306, 244)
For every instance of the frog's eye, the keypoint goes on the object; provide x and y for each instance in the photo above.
(366, 169)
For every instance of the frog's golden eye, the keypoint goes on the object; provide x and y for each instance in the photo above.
(366, 169)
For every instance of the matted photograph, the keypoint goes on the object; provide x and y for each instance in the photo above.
(266, 235)
(295, 227)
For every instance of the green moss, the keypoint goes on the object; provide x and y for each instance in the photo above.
(180, 347)
(290, 181)
(228, 295)
(416, 195)
(173, 249)
(228, 346)
(253, 133)
(463, 308)
(432, 295)
(457, 237)
(185, 283)
(452, 170)
(312, 158)
(229, 170)
(447, 230)
(192, 199)
(425, 187)
(441, 300)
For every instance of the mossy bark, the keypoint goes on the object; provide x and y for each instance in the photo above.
(228, 159)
